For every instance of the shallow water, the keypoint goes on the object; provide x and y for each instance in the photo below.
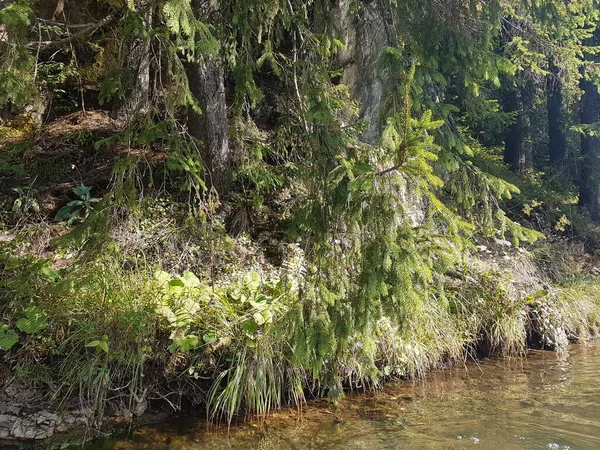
(546, 401)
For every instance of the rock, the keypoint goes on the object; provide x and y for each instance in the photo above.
(10, 408)
(37, 426)
(16, 423)
(502, 242)
(5, 425)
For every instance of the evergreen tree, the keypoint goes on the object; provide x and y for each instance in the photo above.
(590, 140)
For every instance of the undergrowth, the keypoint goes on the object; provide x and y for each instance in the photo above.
(116, 335)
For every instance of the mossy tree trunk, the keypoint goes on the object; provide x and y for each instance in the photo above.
(206, 81)
(208, 86)
(137, 51)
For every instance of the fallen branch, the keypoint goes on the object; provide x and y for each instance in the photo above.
(460, 276)
(66, 25)
(59, 42)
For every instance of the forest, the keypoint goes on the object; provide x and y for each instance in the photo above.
(231, 206)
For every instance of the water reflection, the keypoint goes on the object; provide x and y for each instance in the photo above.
(546, 401)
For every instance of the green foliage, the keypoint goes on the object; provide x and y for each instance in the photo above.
(26, 202)
(491, 315)
(193, 38)
(16, 61)
(34, 321)
(8, 337)
(80, 207)
(100, 345)
(478, 195)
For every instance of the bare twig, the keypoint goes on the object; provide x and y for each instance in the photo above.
(386, 171)
(89, 29)
(65, 25)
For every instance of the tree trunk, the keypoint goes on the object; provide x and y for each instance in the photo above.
(136, 103)
(206, 81)
(518, 152)
(365, 35)
(557, 140)
(513, 140)
(207, 85)
(590, 151)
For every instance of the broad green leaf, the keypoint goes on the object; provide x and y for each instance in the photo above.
(63, 213)
(252, 281)
(186, 344)
(267, 315)
(209, 338)
(17, 205)
(104, 346)
(250, 326)
(259, 302)
(8, 337)
(83, 192)
(259, 319)
(162, 277)
(34, 320)
(190, 279)
(49, 273)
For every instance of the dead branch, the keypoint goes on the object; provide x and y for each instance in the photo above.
(59, 42)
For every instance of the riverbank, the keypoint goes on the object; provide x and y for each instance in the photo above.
(542, 401)
(154, 360)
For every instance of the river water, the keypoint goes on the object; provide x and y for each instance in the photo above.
(544, 401)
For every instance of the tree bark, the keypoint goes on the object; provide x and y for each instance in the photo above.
(513, 140)
(207, 85)
(517, 151)
(365, 35)
(557, 140)
(137, 50)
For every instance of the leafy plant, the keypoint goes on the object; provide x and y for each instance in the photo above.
(35, 320)
(26, 202)
(185, 344)
(100, 345)
(80, 207)
(8, 337)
